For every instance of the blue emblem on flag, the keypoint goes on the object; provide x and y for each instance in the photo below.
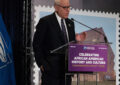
(4, 56)
(7, 74)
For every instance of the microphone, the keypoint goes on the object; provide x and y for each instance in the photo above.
(105, 38)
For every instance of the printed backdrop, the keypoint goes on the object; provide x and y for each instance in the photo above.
(106, 23)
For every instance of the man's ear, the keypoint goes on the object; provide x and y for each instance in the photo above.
(56, 8)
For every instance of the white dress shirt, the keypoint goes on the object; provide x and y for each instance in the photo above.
(59, 21)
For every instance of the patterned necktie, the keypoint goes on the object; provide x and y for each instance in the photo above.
(64, 31)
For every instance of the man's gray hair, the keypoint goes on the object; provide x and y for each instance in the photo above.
(57, 2)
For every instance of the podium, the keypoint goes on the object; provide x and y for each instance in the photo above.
(87, 58)
(84, 57)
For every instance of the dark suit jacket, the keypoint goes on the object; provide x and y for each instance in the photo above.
(48, 36)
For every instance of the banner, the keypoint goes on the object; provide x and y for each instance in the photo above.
(87, 58)
(7, 74)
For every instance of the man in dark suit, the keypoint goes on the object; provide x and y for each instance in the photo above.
(49, 35)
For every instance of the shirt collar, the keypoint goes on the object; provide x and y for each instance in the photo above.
(59, 19)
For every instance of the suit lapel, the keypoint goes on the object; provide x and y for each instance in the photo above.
(69, 27)
(57, 28)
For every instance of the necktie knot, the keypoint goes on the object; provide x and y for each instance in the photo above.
(62, 24)
(61, 20)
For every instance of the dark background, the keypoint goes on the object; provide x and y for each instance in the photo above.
(100, 5)
(17, 17)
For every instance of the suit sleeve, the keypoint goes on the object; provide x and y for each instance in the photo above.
(38, 43)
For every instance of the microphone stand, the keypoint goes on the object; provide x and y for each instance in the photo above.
(106, 41)
(62, 46)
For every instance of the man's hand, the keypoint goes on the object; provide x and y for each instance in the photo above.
(81, 36)
(42, 68)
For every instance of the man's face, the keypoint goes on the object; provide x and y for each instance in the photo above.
(63, 8)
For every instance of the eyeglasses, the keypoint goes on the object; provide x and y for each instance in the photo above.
(65, 7)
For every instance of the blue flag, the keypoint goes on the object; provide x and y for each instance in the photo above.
(7, 74)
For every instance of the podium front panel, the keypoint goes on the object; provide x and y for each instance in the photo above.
(87, 58)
